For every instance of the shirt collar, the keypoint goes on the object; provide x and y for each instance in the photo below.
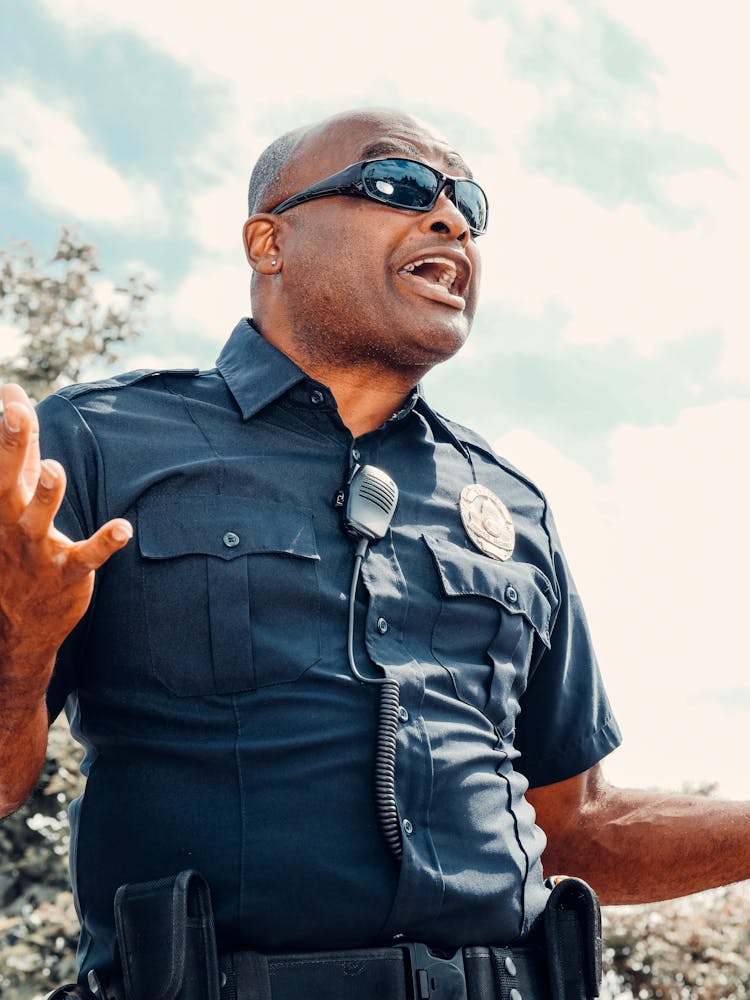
(256, 372)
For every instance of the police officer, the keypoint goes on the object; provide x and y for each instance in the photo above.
(240, 671)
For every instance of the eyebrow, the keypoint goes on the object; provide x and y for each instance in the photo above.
(389, 147)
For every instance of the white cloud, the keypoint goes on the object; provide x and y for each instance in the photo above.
(702, 81)
(62, 170)
(312, 51)
(618, 274)
(208, 304)
(659, 553)
(621, 275)
(216, 218)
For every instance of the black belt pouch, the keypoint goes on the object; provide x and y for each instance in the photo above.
(165, 934)
(573, 931)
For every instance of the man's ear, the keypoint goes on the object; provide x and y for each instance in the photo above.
(261, 249)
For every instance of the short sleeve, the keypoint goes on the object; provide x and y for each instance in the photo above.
(566, 724)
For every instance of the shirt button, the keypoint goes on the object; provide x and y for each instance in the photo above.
(510, 966)
(515, 995)
(316, 397)
(511, 594)
(403, 714)
(382, 626)
(355, 454)
(408, 828)
(230, 539)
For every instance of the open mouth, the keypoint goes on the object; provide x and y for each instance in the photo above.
(438, 278)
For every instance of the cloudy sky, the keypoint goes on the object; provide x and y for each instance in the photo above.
(610, 358)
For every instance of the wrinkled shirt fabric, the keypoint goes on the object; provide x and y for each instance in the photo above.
(209, 682)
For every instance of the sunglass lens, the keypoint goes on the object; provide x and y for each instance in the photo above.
(401, 183)
(472, 203)
(408, 184)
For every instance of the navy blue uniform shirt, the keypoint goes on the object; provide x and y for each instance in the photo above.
(210, 686)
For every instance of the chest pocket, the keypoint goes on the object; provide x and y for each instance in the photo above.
(493, 615)
(231, 593)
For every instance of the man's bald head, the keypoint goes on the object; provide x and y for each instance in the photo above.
(282, 166)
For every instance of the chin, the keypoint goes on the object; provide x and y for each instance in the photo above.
(421, 357)
(417, 339)
(447, 338)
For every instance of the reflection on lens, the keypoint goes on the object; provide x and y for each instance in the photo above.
(472, 204)
(413, 185)
(401, 183)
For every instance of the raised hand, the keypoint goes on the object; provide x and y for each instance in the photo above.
(46, 582)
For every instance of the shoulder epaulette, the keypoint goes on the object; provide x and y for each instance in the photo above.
(123, 380)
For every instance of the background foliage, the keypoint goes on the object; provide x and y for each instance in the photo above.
(68, 317)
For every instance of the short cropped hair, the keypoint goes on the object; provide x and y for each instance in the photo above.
(265, 181)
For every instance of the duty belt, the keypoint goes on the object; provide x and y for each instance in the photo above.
(167, 946)
(403, 972)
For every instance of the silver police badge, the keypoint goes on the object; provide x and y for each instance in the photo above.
(487, 522)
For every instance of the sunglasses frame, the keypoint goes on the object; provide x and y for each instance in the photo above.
(349, 181)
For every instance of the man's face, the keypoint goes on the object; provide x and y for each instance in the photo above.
(366, 283)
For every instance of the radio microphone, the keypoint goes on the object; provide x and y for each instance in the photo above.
(370, 507)
(371, 503)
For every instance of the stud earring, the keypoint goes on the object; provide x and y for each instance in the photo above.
(274, 262)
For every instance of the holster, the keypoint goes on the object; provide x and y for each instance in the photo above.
(165, 935)
(573, 933)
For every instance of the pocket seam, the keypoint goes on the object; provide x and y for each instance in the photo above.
(489, 593)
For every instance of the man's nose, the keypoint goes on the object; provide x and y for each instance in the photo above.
(444, 217)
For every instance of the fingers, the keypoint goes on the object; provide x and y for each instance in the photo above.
(93, 552)
(18, 429)
(11, 392)
(31, 490)
(14, 394)
(39, 515)
(37, 523)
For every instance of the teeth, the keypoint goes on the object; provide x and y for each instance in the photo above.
(447, 276)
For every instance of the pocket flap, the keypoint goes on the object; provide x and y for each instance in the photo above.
(222, 526)
(519, 587)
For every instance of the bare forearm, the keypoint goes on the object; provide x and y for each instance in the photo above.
(23, 733)
(638, 846)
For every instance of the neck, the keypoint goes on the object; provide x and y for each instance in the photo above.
(367, 392)
(365, 398)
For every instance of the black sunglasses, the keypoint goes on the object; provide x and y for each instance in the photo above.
(399, 184)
